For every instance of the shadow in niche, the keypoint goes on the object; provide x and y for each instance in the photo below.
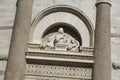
(69, 29)
(60, 63)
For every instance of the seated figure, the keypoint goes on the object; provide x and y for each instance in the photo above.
(60, 40)
(60, 36)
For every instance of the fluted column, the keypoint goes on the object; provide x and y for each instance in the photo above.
(16, 60)
(102, 51)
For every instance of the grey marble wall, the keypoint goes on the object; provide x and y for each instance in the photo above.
(115, 37)
(7, 14)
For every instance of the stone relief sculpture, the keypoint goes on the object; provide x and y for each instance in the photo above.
(48, 43)
(60, 38)
(74, 45)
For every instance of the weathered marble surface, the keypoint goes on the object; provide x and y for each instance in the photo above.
(2, 69)
(115, 40)
(7, 12)
(5, 38)
(84, 5)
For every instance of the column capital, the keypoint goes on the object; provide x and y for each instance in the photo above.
(103, 1)
(20, 2)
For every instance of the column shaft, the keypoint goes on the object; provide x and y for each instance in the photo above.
(102, 51)
(16, 60)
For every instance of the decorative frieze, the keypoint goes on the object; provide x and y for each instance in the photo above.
(58, 71)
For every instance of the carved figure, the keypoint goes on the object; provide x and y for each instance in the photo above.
(50, 43)
(73, 45)
(60, 36)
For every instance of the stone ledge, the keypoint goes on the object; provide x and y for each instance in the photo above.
(82, 53)
(59, 56)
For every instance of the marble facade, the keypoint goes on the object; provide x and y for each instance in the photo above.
(7, 21)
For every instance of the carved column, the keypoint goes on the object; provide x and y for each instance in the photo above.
(102, 52)
(16, 60)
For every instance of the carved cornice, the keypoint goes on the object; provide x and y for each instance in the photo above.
(59, 56)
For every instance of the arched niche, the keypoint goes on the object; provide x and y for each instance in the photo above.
(68, 9)
(69, 29)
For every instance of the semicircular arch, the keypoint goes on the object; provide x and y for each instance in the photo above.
(70, 9)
